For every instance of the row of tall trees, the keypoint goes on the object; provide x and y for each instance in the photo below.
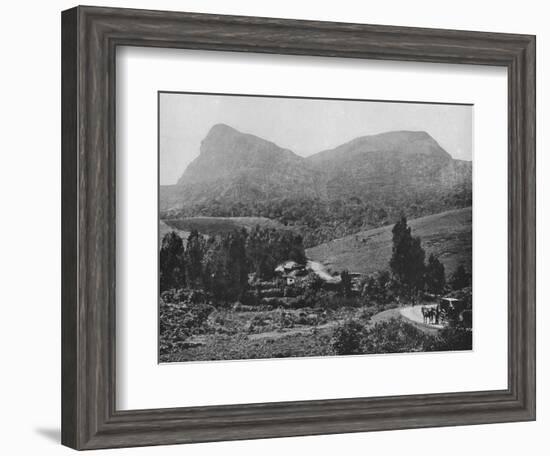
(217, 264)
(220, 264)
(409, 269)
(267, 247)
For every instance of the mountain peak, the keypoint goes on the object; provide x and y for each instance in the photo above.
(223, 138)
(408, 134)
(402, 142)
(222, 128)
(221, 132)
(227, 153)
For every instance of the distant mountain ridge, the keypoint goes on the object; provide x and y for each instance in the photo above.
(240, 167)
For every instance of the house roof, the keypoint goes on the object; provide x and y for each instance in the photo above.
(287, 265)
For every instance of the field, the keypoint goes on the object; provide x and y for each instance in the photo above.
(274, 333)
(448, 235)
(283, 333)
(165, 229)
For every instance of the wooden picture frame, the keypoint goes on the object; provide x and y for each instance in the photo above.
(90, 36)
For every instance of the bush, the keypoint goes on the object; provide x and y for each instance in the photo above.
(451, 339)
(395, 336)
(284, 320)
(179, 321)
(256, 324)
(347, 338)
(188, 296)
(379, 288)
(313, 282)
(460, 278)
(330, 300)
(291, 291)
(251, 298)
(367, 313)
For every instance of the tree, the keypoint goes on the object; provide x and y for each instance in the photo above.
(217, 278)
(267, 247)
(290, 247)
(379, 288)
(460, 279)
(257, 250)
(434, 275)
(172, 265)
(237, 265)
(194, 254)
(407, 260)
(225, 266)
(313, 282)
(346, 283)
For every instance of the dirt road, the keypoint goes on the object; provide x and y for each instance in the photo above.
(409, 314)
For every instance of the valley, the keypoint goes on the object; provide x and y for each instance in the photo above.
(267, 254)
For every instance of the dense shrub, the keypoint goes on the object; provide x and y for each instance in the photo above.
(346, 284)
(312, 282)
(394, 336)
(267, 247)
(451, 339)
(178, 321)
(434, 275)
(251, 298)
(460, 278)
(240, 347)
(367, 313)
(348, 338)
(379, 288)
(185, 296)
(407, 260)
(172, 262)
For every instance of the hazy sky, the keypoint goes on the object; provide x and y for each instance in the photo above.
(305, 126)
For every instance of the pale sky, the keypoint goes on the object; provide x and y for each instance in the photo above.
(305, 126)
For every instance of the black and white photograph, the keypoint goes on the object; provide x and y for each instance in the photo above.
(275, 228)
(304, 227)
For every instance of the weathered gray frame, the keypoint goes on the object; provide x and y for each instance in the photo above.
(90, 36)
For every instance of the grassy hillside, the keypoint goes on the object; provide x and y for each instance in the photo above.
(215, 225)
(164, 229)
(448, 235)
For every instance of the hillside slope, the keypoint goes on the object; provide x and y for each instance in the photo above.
(448, 235)
(217, 225)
